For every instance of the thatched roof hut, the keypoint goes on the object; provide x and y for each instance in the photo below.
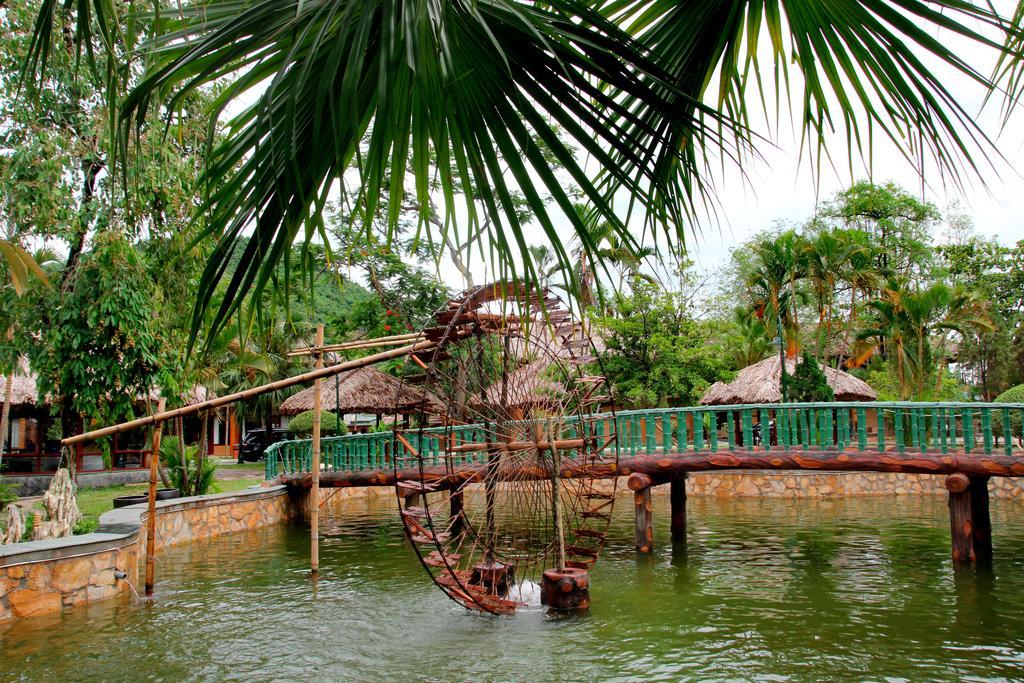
(23, 388)
(760, 383)
(366, 390)
(533, 384)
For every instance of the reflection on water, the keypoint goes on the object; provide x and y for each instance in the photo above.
(829, 589)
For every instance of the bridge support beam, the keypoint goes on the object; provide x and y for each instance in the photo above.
(969, 523)
(640, 485)
(677, 497)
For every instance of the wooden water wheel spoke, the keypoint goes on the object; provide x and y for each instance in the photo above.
(513, 371)
(591, 533)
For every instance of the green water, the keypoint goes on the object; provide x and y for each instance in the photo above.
(857, 588)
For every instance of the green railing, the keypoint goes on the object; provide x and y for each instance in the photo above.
(981, 428)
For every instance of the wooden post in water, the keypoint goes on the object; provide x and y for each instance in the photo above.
(154, 465)
(969, 524)
(960, 527)
(314, 493)
(981, 522)
(677, 496)
(640, 484)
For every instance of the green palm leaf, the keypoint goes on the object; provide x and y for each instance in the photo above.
(493, 89)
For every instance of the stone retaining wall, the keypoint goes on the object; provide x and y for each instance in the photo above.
(739, 483)
(44, 577)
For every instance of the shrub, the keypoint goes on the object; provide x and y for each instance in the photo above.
(808, 383)
(7, 496)
(181, 468)
(1011, 395)
(85, 526)
(302, 424)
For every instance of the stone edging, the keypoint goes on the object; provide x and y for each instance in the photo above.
(41, 577)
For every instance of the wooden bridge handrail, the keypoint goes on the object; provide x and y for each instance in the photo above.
(969, 429)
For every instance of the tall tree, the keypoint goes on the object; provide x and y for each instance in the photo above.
(899, 224)
(908, 320)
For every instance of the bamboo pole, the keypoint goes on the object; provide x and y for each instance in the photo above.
(154, 464)
(314, 493)
(357, 344)
(249, 393)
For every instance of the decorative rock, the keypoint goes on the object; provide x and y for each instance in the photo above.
(39, 576)
(15, 526)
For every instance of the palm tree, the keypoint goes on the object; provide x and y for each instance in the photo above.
(545, 262)
(749, 343)
(826, 257)
(779, 264)
(908, 319)
(860, 274)
(652, 92)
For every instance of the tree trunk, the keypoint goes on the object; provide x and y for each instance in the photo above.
(200, 461)
(204, 429)
(70, 425)
(5, 417)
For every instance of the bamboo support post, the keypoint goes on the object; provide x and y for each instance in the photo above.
(314, 493)
(154, 464)
(358, 345)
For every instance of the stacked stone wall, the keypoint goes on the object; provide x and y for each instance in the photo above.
(46, 577)
(728, 484)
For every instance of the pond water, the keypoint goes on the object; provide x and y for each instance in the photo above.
(855, 588)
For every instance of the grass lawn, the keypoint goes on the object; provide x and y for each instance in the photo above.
(225, 464)
(94, 502)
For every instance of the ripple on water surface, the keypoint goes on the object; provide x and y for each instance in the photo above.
(764, 589)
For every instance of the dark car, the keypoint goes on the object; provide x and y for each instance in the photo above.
(256, 441)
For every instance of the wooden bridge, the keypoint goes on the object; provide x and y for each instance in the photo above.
(966, 442)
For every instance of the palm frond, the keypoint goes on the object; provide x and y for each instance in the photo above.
(481, 94)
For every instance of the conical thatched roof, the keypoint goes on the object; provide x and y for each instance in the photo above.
(24, 390)
(366, 390)
(759, 383)
(528, 385)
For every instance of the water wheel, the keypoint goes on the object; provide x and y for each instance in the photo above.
(501, 490)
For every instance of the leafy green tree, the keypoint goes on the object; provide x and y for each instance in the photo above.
(98, 355)
(992, 358)
(114, 324)
(407, 293)
(655, 353)
(899, 224)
